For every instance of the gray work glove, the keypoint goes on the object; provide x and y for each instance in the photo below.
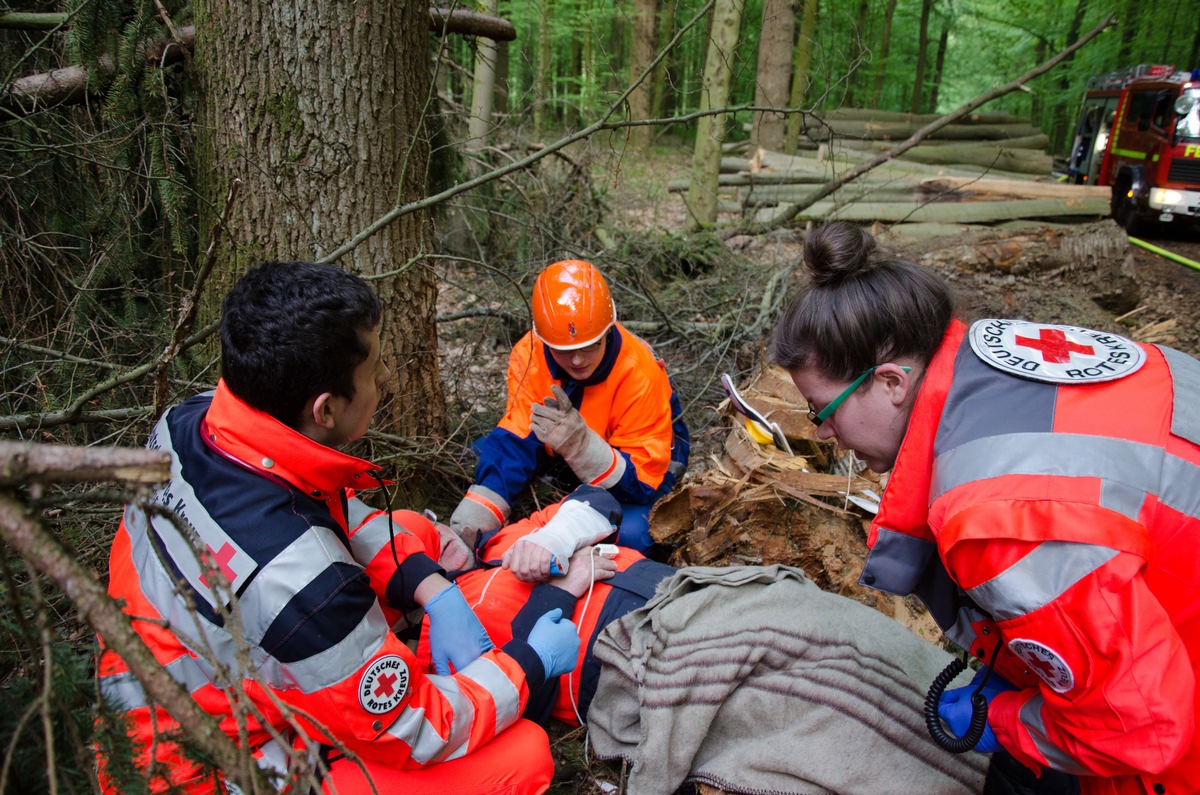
(559, 425)
(479, 511)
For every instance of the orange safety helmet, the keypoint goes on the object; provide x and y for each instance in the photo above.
(572, 306)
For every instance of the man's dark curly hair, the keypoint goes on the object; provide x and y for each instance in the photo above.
(293, 330)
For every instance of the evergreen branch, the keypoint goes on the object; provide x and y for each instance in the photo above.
(41, 550)
(18, 422)
(190, 303)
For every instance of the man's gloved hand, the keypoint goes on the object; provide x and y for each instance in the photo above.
(556, 642)
(479, 511)
(454, 554)
(555, 422)
(455, 635)
(955, 709)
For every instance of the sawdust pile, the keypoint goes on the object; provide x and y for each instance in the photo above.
(755, 504)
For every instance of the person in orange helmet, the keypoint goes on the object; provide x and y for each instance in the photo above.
(586, 398)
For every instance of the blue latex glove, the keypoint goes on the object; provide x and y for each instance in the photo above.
(955, 709)
(556, 642)
(455, 635)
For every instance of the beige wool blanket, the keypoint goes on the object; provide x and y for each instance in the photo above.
(754, 680)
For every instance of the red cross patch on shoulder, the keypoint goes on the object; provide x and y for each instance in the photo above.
(1055, 354)
(383, 684)
(1045, 662)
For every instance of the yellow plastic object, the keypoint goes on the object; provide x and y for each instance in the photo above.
(758, 433)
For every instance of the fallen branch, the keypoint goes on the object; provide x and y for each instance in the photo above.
(918, 136)
(23, 462)
(69, 85)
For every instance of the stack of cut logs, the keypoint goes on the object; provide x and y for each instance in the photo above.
(986, 168)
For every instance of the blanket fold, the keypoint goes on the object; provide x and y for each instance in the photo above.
(754, 680)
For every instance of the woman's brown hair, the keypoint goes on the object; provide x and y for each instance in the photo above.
(861, 308)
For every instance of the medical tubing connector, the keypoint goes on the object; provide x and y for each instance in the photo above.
(979, 711)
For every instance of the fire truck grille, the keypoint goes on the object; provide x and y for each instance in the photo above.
(1184, 171)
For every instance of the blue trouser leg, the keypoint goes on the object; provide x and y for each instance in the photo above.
(635, 527)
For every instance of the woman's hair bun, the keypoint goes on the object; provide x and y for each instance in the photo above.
(837, 251)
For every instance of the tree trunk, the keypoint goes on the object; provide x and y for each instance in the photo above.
(772, 88)
(860, 51)
(666, 30)
(1129, 26)
(885, 44)
(938, 64)
(1064, 111)
(706, 159)
(541, 80)
(922, 56)
(644, 12)
(318, 108)
(483, 91)
(808, 26)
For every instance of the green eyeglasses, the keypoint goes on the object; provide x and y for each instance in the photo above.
(818, 417)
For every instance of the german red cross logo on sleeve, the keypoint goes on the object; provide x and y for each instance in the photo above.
(1045, 662)
(1055, 354)
(383, 684)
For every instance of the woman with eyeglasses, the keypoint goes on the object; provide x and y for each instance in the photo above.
(1043, 502)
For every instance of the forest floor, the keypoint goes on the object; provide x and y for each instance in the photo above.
(1156, 292)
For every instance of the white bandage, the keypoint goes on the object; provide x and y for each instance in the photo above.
(575, 526)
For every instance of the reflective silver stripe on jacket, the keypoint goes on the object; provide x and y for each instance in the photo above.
(258, 606)
(419, 734)
(1031, 718)
(1185, 378)
(124, 691)
(1124, 468)
(1039, 578)
(368, 540)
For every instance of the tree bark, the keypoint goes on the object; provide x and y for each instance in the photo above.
(1064, 111)
(706, 160)
(918, 84)
(541, 80)
(483, 90)
(640, 101)
(666, 30)
(885, 45)
(772, 87)
(319, 108)
(939, 62)
(800, 80)
(25, 462)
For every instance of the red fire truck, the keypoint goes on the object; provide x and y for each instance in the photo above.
(1139, 131)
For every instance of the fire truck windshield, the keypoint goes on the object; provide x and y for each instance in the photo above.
(1187, 108)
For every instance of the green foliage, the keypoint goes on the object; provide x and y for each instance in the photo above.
(34, 707)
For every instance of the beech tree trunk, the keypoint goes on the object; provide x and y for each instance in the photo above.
(772, 88)
(317, 107)
(800, 81)
(483, 91)
(885, 44)
(541, 81)
(922, 56)
(710, 130)
(644, 12)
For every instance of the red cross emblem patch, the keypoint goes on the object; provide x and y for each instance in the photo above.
(1045, 662)
(1054, 354)
(383, 685)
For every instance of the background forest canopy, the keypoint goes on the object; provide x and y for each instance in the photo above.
(118, 231)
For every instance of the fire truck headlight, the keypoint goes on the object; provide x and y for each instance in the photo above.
(1161, 197)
